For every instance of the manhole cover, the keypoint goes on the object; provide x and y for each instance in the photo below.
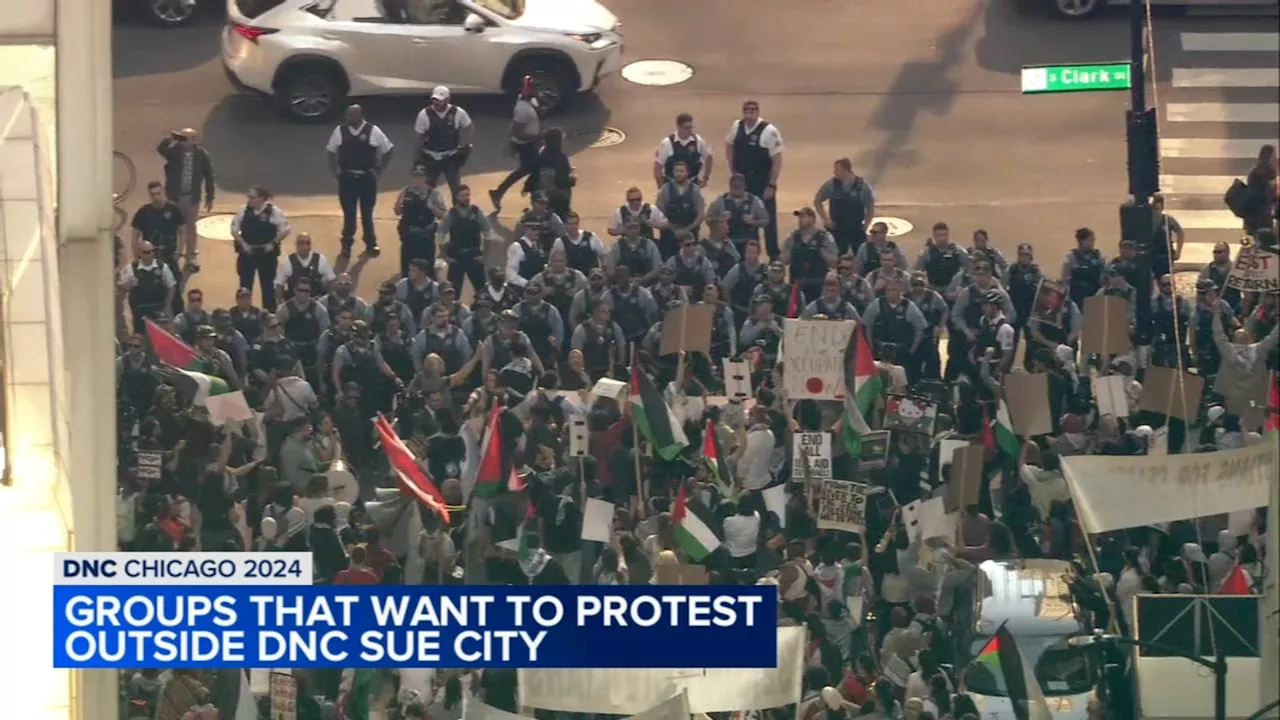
(604, 137)
(897, 226)
(657, 73)
(215, 227)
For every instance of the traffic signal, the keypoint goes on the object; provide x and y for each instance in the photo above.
(1143, 143)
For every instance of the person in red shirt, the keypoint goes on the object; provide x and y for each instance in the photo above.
(169, 519)
(380, 558)
(358, 572)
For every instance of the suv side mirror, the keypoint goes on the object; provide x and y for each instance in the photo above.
(474, 24)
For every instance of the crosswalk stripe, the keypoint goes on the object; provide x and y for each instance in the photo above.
(1214, 148)
(1223, 112)
(1207, 219)
(1195, 184)
(1201, 253)
(1231, 42)
(1226, 77)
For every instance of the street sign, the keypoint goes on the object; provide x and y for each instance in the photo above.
(1075, 78)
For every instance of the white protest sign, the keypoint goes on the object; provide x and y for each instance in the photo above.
(814, 358)
(1158, 443)
(775, 501)
(817, 448)
(737, 379)
(149, 464)
(1109, 393)
(1255, 270)
(597, 520)
(842, 506)
(577, 436)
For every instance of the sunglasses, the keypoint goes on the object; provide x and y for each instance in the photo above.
(302, 291)
(688, 244)
(135, 346)
(273, 326)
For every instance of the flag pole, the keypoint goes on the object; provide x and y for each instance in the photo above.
(635, 435)
(680, 362)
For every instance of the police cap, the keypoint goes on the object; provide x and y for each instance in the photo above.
(221, 315)
(510, 316)
(205, 331)
(1205, 285)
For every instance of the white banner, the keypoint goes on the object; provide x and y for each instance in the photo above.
(473, 709)
(842, 506)
(627, 691)
(1112, 493)
(817, 448)
(814, 357)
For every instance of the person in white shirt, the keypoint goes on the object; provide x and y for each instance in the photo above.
(753, 455)
(149, 284)
(683, 145)
(742, 536)
(358, 153)
(444, 139)
(754, 149)
(292, 398)
(304, 263)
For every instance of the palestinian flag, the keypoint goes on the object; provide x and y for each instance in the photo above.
(793, 305)
(1001, 430)
(195, 387)
(1237, 582)
(717, 470)
(862, 386)
(697, 531)
(411, 478)
(356, 692)
(1273, 406)
(169, 349)
(497, 470)
(654, 417)
(1001, 656)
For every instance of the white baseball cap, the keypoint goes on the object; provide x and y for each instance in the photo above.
(440, 93)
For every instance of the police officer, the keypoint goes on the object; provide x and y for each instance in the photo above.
(396, 348)
(829, 303)
(1022, 280)
(444, 139)
(636, 211)
(742, 280)
(418, 290)
(995, 258)
(542, 323)
(539, 223)
(482, 323)
(886, 269)
(335, 337)
(724, 333)
(258, 229)
(465, 230)
(994, 338)
(1208, 301)
(1083, 268)
(666, 291)
(853, 287)
(303, 263)
(927, 362)
(496, 353)
(246, 317)
(897, 326)
(680, 201)
(718, 248)
(213, 360)
(1171, 326)
(682, 146)
(150, 285)
(502, 294)
(358, 153)
(601, 342)
(689, 268)
(811, 253)
(561, 283)
(754, 150)
(1166, 241)
(1217, 272)
(272, 352)
(340, 297)
(457, 312)
(596, 291)
(583, 249)
(867, 258)
(634, 308)
(851, 203)
(229, 340)
(941, 259)
(638, 253)
(186, 322)
(780, 292)
(305, 320)
(1065, 330)
(419, 207)
(762, 329)
(359, 362)
(388, 305)
(745, 213)
(966, 317)
(136, 381)
(161, 222)
(440, 337)
(1115, 285)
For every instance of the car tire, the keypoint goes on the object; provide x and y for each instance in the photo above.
(553, 80)
(310, 93)
(169, 14)
(1076, 9)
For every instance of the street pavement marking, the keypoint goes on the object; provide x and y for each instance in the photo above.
(1208, 219)
(1223, 112)
(1201, 253)
(1195, 184)
(1226, 77)
(1231, 42)
(1215, 148)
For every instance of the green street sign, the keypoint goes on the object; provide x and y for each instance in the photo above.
(1075, 78)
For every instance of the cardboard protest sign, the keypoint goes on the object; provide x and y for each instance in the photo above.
(737, 379)
(775, 501)
(842, 506)
(688, 328)
(1026, 395)
(1170, 392)
(816, 449)
(875, 450)
(814, 357)
(681, 575)
(609, 388)
(910, 414)
(1051, 300)
(577, 436)
(965, 484)
(1109, 394)
(1105, 330)
(1256, 269)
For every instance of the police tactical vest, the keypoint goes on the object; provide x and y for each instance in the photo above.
(535, 260)
(397, 355)
(335, 338)
(415, 213)
(635, 257)
(257, 228)
(442, 130)
(973, 311)
(536, 323)
(872, 262)
(641, 216)
(847, 208)
(303, 326)
(1086, 275)
(745, 287)
(750, 157)
(363, 367)
(680, 208)
(445, 346)
(629, 313)
(248, 322)
(689, 275)
(841, 310)
(310, 271)
(988, 337)
(892, 325)
(419, 299)
(686, 153)
(1204, 332)
(807, 262)
(1024, 280)
(150, 290)
(335, 305)
(356, 152)
(942, 265)
(598, 348)
(739, 210)
(465, 233)
(581, 256)
(721, 259)
(1166, 311)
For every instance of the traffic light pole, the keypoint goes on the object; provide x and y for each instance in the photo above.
(1137, 216)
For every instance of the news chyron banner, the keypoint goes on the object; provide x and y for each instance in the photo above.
(239, 610)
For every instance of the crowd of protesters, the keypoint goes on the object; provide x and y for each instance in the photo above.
(566, 310)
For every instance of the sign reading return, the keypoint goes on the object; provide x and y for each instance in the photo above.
(817, 448)
(1255, 270)
(814, 354)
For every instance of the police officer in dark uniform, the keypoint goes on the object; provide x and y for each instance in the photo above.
(304, 264)
(465, 230)
(419, 207)
(502, 294)
(258, 230)
(418, 290)
(995, 339)
(393, 344)
(778, 290)
(867, 259)
(754, 149)
(927, 362)
(1170, 326)
(539, 224)
(897, 326)
(600, 340)
(359, 362)
(634, 308)
(681, 201)
(850, 206)
(741, 282)
(160, 222)
(388, 305)
(444, 136)
(230, 341)
(560, 283)
(542, 323)
(1022, 280)
(635, 210)
(483, 321)
(829, 303)
(335, 337)
(1083, 268)
(811, 253)
(691, 270)
(718, 249)
(682, 146)
(1218, 271)
(358, 153)
(942, 259)
(582, 248)
(194, 316)
(441, 338)
(666, 291)
(1208, 301)
(246, 317)
(531, 259)
(136, 382)
(638, 253)
(763, 329)
(744, 213)
(341, 298)
(305, 320)
(272, 352)
(149, 283)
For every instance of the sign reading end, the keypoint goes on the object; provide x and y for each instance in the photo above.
(1075, 78)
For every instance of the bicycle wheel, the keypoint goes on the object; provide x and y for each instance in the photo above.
(124, 176)
(122, 217)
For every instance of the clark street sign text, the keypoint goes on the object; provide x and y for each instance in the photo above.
(1075, 78)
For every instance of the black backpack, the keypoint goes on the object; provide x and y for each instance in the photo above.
(1240, 199)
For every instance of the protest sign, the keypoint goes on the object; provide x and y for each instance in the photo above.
(149, 464)
(875, 450)
(910, 414)
(814, 356)
(688, 328)
(737, 379)
(1158, 443)
(609, 388)
(1105, 330)
(842, 506)
(577, 436)
(1256, 269)
(1109, 394)
(1050, 301)
(1026, 395)
(816, 449)
(775, 501)
(1168, 391)
(1116, 492)
(965, 483)
(284, 697)
(597, 520)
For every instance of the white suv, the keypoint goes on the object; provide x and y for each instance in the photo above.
(311, 55)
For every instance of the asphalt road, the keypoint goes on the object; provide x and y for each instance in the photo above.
(924, 97)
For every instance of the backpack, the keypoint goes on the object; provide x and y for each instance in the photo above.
(1240, 199)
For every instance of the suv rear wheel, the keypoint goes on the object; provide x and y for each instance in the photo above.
(1076, 9)
(170, 13)
(310, 93)
(554, 81)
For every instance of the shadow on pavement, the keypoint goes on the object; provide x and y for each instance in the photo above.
(922, 86)
(252, 145)
(139, 49)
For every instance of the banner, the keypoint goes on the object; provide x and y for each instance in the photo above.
(842, 506)
(624, 692)
(1112, 493)
(813, 351)
(1255, 270)
(473, 709)
(817, 448)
